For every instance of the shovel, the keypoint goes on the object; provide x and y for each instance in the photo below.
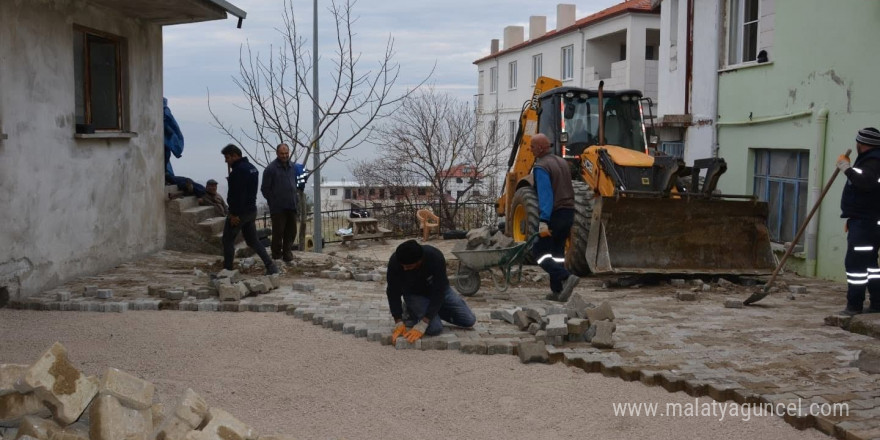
(760, 294)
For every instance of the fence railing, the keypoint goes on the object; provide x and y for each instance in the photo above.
(401, 220)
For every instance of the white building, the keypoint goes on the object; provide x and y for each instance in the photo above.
(618, 45)
(81, 135)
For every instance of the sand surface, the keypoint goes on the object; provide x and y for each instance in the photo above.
(285, 376)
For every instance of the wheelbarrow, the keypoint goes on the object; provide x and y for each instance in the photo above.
(472, 262)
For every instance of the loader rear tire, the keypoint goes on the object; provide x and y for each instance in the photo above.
(523, 221)
(576, 253)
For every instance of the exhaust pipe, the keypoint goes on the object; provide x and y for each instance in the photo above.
(601, 114)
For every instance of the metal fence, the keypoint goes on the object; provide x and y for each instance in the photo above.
(401, 220)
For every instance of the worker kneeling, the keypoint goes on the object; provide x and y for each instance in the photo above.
(417, 274)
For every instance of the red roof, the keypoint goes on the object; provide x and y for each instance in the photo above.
(642, 6)
(461, 170)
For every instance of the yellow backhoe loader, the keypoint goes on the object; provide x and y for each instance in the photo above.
(635, 212)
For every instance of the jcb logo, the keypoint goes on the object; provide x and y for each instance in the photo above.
(646, 181)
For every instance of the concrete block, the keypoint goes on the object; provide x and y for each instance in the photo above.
(533, 352)
(222, 426)
(55, 380)
(62, 296)
(402, 344)
(303, 287)
(233, 275)
(534, 328)
(131, 391)
(174, 295)
(153, 290)
(521, 320)
(682, 295)
(189, 415)
(9, 374)
(104, 293)
(733, 303)
(507, 315)
(579, 304)
(363, 277)
(270, 286)
(556, 325)
(90, 291)
(590, 333)
(15, 406)
(229, 292)
(275, 279)
(499, 347)
(45, 429)
(535, 313)
(117, 306)
(577, 326)
(797, 289)
(110, 420)
(473, 347)
(256, 287)
(601, 313)
(496, 314)
(157, 413)
(604, 335)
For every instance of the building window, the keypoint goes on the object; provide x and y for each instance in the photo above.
(622, 56)
(348, 193)
(420, 191)
(742, 43)
(568, 62)
(493, 79)
(333, 191)
(511, 130)
(781, 181)
(511, 75)
(492, 131)
(537, 67)
(98, 80)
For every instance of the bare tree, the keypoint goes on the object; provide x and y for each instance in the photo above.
(433, 137)
(280, 95)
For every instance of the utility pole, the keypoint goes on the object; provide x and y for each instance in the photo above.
(318, 235)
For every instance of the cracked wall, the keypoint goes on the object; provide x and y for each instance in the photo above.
(74, 206)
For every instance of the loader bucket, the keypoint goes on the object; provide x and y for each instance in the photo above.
(680, 236)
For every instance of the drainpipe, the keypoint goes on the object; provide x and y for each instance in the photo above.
(817, 177)
(583, 56)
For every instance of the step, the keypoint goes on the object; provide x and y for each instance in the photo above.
(199, 213)
(171, 190)
(212, 226)
(183, 203)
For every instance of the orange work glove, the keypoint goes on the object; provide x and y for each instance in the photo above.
(416, 333)
(398, 331)
(843, 163)
(543, 230)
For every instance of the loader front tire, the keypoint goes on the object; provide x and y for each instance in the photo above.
(523, 221)
(576, 253)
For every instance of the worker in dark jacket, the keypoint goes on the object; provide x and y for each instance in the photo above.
(242, 200)
(280, 183)
(418, 274)
(555, 214)
(860, 206)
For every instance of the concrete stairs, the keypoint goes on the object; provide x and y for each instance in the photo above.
(194, 228)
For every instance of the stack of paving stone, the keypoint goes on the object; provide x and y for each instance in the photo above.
(53, 400)
(577, 321)
(231, 287)
(483, 238)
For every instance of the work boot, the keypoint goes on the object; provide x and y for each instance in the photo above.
(272, 269)
(552, 296)
(568, 287)
(288, 257)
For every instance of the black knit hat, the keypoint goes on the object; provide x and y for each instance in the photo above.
(869, 136)
(409, 252)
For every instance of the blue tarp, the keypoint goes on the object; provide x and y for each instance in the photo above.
(173, 138)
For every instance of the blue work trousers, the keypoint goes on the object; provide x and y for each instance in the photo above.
(454, 311)
(549, 251)
(862, 272)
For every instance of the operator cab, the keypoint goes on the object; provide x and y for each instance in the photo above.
(575, 126)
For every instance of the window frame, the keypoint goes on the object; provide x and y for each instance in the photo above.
(567, 58)
(537, 67)
(800, 191)
(736, 23)
(511, 75)
(493, 79)
(120, 45)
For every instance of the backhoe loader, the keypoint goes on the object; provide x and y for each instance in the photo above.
(636, 211)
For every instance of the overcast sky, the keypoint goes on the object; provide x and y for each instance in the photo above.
(203, 57)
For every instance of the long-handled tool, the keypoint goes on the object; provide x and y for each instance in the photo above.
(759, 295)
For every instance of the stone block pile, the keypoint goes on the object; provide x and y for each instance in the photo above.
(53, 400)
(357, 269)
(577, 321)
(483, 238)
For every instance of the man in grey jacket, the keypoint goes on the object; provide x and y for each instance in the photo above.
(280, 190)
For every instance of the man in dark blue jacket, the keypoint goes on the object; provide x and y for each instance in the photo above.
(860, 206)
(280, 179)
(242, 200)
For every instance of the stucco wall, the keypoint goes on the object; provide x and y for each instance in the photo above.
(73, 206)
(820, 59)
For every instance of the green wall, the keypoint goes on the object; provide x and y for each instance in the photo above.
(823, 56)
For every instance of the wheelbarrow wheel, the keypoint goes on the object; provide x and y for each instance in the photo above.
(467, 281)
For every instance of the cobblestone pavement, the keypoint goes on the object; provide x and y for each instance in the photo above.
(778, 352)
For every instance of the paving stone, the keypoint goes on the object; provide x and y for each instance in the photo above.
(798, 289)
(507, 314)
(130, 390)
(535, 313)
(499, 347)
(90, 291)
(9, 374)
(189, 414)
(473, 347)
(682, 295)
(55, 380)
(402, 344)
(153, 290)
(174, 295)
(233, 275)
(534, 328)
(14, 406)
(579, 303)
(533, 352)
(604, 335)
(733, 303)
(39, 429)
(521, 320)
(303, 287)
(600, 313)
(556, 325)
(222, 426)
(110, 420)
(62, 296)
(256, 286)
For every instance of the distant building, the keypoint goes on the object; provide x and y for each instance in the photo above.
(465, 184)
(342, 195)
